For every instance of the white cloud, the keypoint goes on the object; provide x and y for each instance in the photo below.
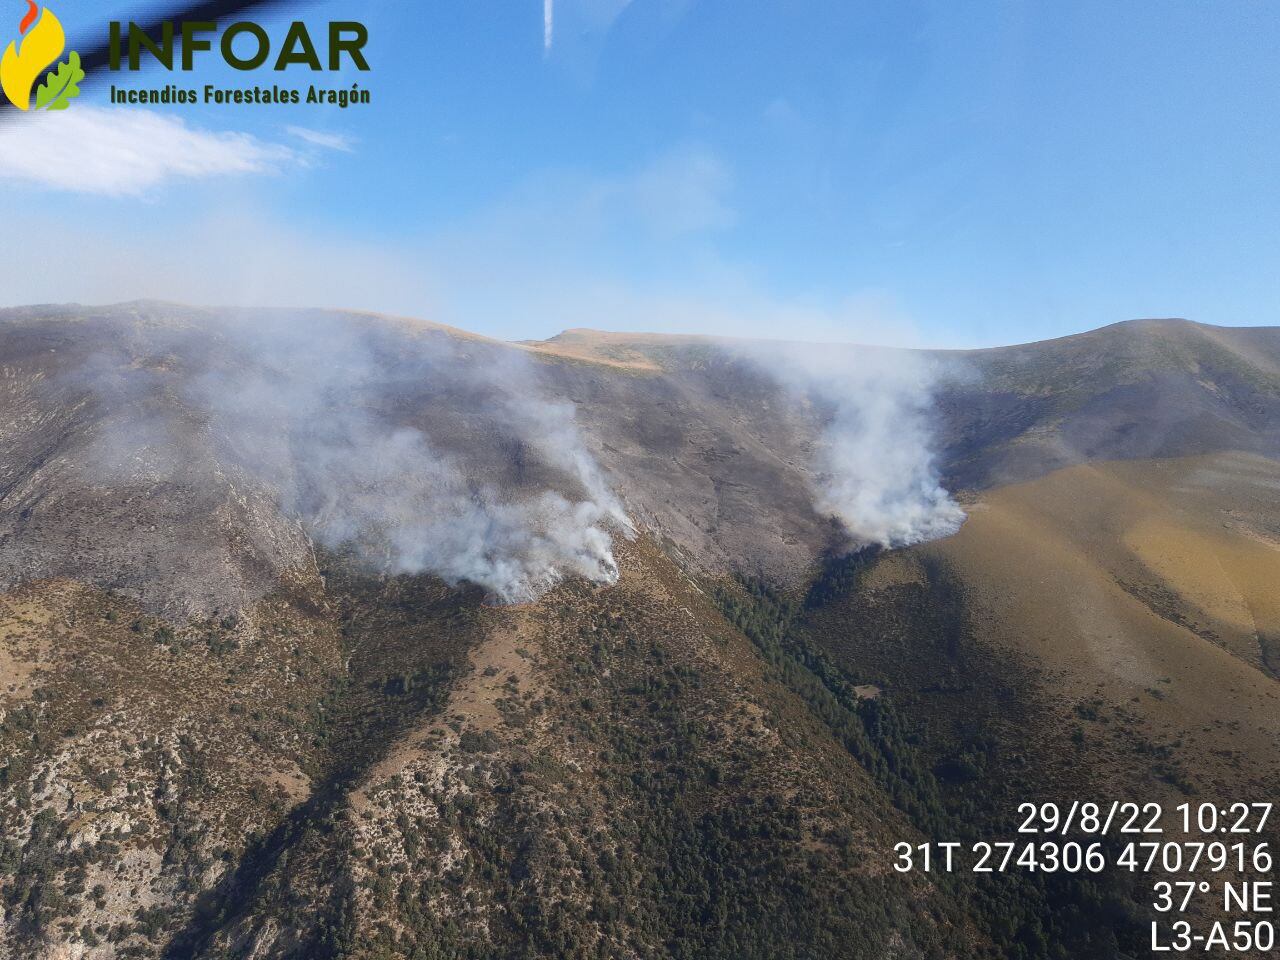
(321, 138)
(126, 152)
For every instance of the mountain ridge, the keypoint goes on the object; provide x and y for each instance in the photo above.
(258, 700)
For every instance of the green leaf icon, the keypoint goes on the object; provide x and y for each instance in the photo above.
(61, 86)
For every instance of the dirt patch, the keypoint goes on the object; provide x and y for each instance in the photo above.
(295, 784)
(24, 647)
(503, 668)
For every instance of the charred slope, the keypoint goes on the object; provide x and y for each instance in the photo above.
(107, 479)
(147, 446)
(220, 742)
(129, 422)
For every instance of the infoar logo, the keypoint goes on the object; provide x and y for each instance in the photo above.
(38, 48)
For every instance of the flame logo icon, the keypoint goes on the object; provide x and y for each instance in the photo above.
(41, 44)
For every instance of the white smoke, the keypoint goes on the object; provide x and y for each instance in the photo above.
(336, 417)
(874, 466)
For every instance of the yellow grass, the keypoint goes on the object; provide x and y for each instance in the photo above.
(1125, 578)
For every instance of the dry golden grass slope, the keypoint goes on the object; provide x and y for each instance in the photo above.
(1151, 584)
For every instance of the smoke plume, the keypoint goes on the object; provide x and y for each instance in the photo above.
(874, 465)
(421, 452)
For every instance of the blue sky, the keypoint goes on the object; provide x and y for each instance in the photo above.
(929, 173)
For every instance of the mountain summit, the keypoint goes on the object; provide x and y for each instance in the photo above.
(327, 634)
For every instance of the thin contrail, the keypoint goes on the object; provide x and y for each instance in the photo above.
(548, 24)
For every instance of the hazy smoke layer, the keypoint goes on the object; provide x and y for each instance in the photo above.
(338, 418)
(423, 453)
(874, 468)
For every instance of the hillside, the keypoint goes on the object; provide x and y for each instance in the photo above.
(1140, 593)
(1146, 388)
(1142, 388)
(337, 636)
